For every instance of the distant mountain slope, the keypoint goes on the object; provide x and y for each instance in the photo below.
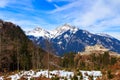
(71, 39)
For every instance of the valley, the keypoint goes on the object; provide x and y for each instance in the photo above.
(59, 39)
(21, 57)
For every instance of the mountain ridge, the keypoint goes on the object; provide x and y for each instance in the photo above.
(59, 30)
(71, 39)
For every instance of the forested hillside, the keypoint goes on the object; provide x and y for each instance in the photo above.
(17, 52)
(107, 62)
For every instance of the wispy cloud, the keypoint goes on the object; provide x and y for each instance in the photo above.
(61, 0)
(70, 5)
(3, 3)
(22, 13)
(56, 6)
(95, 16)
(114, 34)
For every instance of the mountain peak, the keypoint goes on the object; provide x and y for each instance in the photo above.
(38, 32)
(66, 26)
(38, 29)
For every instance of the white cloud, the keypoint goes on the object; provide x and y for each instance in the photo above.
(70, 5)
(56, 6)
(27, 25)
(3, 3)
(95, 16)
(114, 34)
(98, 11)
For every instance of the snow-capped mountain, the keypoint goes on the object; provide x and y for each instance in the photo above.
(60, 30)
(103, 34)
(68, 38)
(39, 32)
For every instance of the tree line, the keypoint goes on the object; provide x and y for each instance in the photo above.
(92, 61)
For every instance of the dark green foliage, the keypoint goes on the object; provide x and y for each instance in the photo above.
(13, 65)
(96, 61)
(55, 78)
(74, 77)
(113, 60)
(25, 58)
(80, 74)
(91, 77)
(68, 60)
(32, 79)
(81, 77)
(109, 75)
(82, 65)
(106, 59)
(16, 49)
(65, 78)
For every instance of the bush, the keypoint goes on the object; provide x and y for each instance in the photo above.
(65, 78)
(74, 77)
(55, 78)
(91, 77)
(109, 75)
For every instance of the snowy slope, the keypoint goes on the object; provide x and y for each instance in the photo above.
(68, 38)
(105, 35)
(62, 29)
(39, 32)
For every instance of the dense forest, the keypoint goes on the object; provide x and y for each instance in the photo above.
(108, 64)
(17, 52)
(92, 61)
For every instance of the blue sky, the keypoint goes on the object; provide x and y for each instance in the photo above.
(96, 16)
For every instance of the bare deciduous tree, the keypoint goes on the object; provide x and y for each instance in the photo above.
(0, 44)
(18, 56)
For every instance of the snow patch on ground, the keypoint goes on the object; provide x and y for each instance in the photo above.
(60, 73)
(95, 74)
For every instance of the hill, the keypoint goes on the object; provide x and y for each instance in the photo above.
(17, 52)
